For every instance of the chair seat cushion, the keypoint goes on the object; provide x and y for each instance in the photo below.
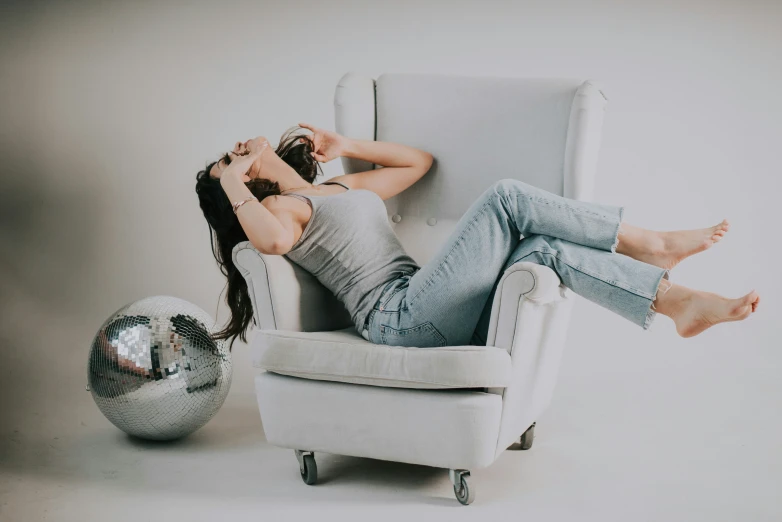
(345, 356)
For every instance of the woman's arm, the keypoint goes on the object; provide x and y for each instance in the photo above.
(328, 145)
(387, 153)
(266, 233)
(402, 166)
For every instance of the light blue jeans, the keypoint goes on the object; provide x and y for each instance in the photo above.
(448, 300)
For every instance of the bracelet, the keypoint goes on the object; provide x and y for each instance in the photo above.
(240, 203)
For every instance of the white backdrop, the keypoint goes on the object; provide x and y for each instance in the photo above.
(108, 110)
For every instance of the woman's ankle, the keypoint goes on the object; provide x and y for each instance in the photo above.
(636, 241)
(671, 298)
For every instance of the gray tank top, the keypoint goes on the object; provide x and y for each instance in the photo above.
(350, 247)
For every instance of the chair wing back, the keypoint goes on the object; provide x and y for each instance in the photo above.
(545, 132)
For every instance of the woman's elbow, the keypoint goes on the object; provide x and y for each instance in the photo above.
(428, 159)
(276, 247)
(427, 162)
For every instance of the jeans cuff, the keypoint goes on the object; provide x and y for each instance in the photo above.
(651, 313)
(616, 232)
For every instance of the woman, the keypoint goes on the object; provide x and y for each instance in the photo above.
(339, 232)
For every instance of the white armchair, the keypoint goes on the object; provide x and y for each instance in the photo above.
(324, 388)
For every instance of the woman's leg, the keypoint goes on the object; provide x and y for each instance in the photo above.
(492, 227)
(444, 299)
(617, 282)
(633, 289)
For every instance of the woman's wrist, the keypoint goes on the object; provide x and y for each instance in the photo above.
(348, 148)
(231, 177)
(234, 186)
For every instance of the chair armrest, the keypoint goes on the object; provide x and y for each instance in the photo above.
(530, 317)
(284, 296)
(522, 281)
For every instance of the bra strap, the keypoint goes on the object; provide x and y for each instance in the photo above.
(301, 197)
(335, 183)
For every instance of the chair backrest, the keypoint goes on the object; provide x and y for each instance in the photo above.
(545, 132)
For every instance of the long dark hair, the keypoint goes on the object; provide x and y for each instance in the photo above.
(226, 232)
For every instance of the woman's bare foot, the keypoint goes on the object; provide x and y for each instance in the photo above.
(694, 311)
(667, 249)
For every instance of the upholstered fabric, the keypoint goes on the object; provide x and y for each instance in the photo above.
(285, 296)
(442, 428)
(345, 356)
(480, 129)
(532, 326)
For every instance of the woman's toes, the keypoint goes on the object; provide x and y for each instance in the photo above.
(748, 297)
(745, 305)
(721, 228)
(719, 231)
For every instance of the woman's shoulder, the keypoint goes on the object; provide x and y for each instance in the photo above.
(283, 204)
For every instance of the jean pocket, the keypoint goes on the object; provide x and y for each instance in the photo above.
(424, 335)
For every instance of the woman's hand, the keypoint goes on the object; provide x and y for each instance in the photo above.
(241, 166)
(326, 144)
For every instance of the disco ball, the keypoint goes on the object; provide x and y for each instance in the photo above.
(155, 371)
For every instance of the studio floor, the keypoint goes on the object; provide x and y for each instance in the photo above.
(617, 446)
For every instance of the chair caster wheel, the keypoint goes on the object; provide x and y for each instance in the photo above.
(527, 437)
(525, 441)
(307, 466)
(465, 493)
